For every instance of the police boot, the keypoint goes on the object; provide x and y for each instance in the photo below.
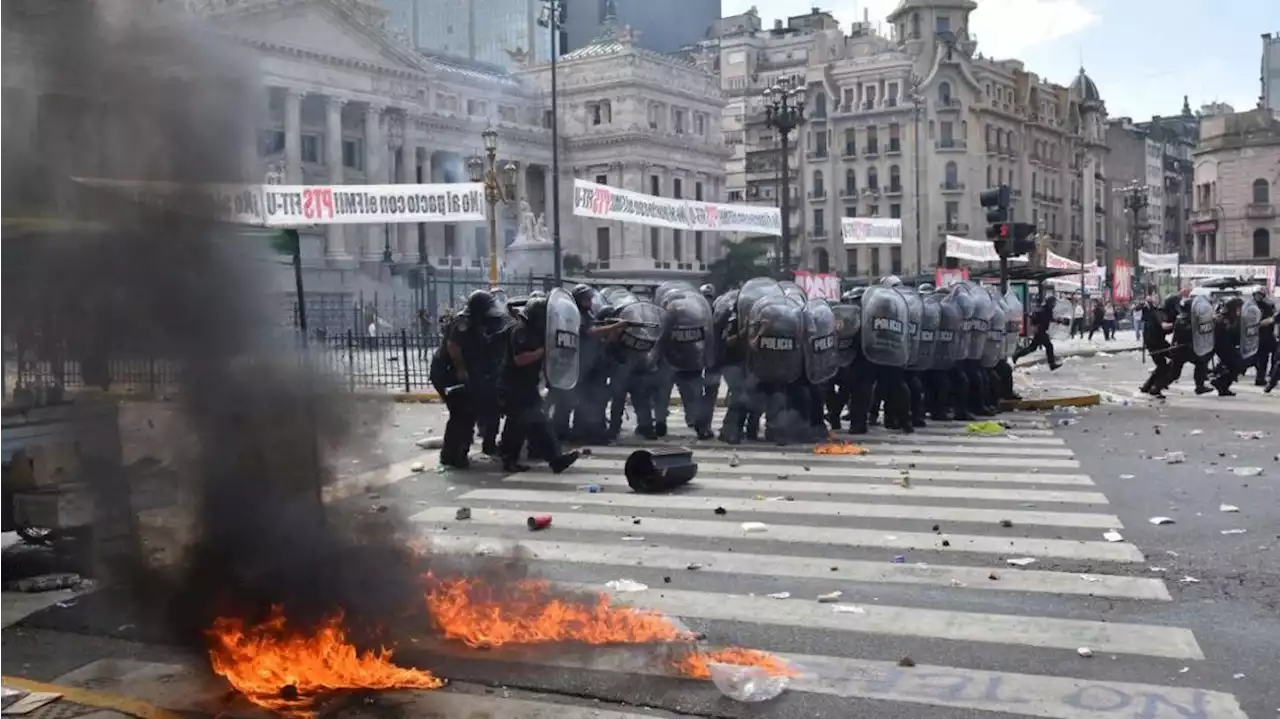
(454, 459)
(615, 431)
(564, 461)
(751, 430)
(660, 429)
(731, 430)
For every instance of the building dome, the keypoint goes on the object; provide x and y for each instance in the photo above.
(1083, 89)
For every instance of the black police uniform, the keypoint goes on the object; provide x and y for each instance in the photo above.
(1226, 341)
(1041, 320)
(1153, 340)
(1266, 342)
(522, 403)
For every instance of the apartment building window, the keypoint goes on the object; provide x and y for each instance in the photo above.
(851, 210)
(875, 260)
(870, 93)
(892, 100)
(873, 211)
(850, 142)
(1000, 176)
(952, 173)
(1261, 192)
(677, 245)
(311, 143)
(818, 189)
(895, 210)
(477, 108)
(655, 243)
(851, 261)
(947, 130)
(699, 247)
(848, 98)
(655, 185)
(873, 179)
(602, 179)
(850, 182)
(895, 141)
(547, 119)
(895, 260)
(602, 244)
(699, 124)
(873, 141)
(819, 223)
(1261, 242)
(942, 23)
(678, 121)
(952, 212)
(677, 188)
(944, 93)
(697, 191)
(601, 112)
(895, 179)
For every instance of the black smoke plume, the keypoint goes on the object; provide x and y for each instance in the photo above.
(142, 91)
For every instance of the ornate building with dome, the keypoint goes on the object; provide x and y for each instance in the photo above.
(914, 125)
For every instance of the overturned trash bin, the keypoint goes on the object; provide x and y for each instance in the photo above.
(657, 471)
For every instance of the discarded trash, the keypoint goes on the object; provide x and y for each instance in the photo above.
(66, 603)
(830, 597)
(1020, 561)
(538, 522)
(1067, 421)
(848, 609)
(626, 585)
(1228, 508)
(721, 511)
(1251, 435)
(1195, 432)
(1174, 457)
(1234, 531)
(1088, 578)
(1126, 476)
(1246, 471)
(752, 527)
(899, 559)
(632, 538)
(693, 566)
(906, 662)
(46, 582)
(985, 428)
(780, 595)
(1085, 652)
(1006, 523)
(734, 461)
(659, 470)
(1188, 579)
(1112, 535)
(462, 513)
(747, 684)
(1161, 520)
(590, 488)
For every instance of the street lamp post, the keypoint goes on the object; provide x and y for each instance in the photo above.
(1135, 201)
(784, 111)
(552, 18)
(917, 103)
(497, 188)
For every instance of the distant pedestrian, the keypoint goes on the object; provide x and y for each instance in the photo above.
(1095, 321)
(1109, 322)
(1077, 318)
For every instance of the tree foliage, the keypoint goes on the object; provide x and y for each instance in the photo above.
(740, 262)
(573, 265)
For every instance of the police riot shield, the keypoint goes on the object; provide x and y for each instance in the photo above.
(1014, 318)
(1202, 322)
(672, 287)
(930, 322)
(848, 326)
(821, 356)
(560, 366)
(1250, 324)
(638, 344)
(947, 348)
(500, 300)
(979, 323)
(686, 331)
(724, 304)
(915, 311)
(775, 328)
(884, 326)
(752, 290)
(993, 351)
(794, 292)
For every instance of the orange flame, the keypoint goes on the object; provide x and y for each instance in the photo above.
(834, 447)
(527, 611)
(279, 669)
(697, 665)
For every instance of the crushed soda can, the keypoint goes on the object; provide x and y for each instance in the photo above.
(538, 522)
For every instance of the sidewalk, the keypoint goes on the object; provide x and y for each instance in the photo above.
(1082, 347)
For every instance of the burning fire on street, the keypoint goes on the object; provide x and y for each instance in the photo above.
(840, 447)
(290, 670)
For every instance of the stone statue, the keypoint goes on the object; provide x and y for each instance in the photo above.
(540, 233)
(526, 229)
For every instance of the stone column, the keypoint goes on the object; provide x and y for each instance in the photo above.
(547, 179)
(522, 183)
(375, 152)
(293, 137)
(335, 249)
(408, 175)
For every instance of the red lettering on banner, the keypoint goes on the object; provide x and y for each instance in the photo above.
(317, 203)
(602, 201)
(713, 216)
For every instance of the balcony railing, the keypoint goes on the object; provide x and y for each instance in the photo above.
(872, 149)
(950, 143)
(953, 228)
(817, 154)
(849, 192)
(849, 151)
(894, 188)
(818, 194)
(1259, 211)
(952, 186)
(895, 148)
(818, 234)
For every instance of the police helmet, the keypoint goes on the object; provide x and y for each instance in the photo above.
(708, 290)
(891, 281)
(537, 295)
(535, 313)
(926, 288)
(856, 293)
(480, 304)
(1171, 305)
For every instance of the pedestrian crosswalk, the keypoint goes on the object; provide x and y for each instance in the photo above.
(982, 558)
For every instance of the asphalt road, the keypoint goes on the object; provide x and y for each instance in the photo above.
(1181, 619)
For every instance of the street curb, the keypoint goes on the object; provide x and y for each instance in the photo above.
(1083, 400)
(1078, 353)
(98, 700)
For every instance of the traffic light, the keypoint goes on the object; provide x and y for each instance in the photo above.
(1022, 242)
(996, 202)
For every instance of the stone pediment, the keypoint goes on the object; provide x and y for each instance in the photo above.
(347, 29)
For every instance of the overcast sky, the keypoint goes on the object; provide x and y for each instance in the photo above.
(1143, 54)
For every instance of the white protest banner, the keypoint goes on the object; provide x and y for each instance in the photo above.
(871, 231)
(602, 202)
(1150, 261)
(818, 285)
(1058, 262)
(229, 202)
(1249, 272)
(961, 248)
(286, 205)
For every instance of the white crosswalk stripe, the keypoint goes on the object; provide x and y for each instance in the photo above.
(918, 534)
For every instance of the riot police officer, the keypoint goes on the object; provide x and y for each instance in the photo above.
(473, 346)
(1266, 339)
(1155, 325)
(525, 352)
(1226, 338)
(711, 377)
(885, 352)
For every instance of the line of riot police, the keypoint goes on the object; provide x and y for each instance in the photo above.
(792, 362)
(1239, 332)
